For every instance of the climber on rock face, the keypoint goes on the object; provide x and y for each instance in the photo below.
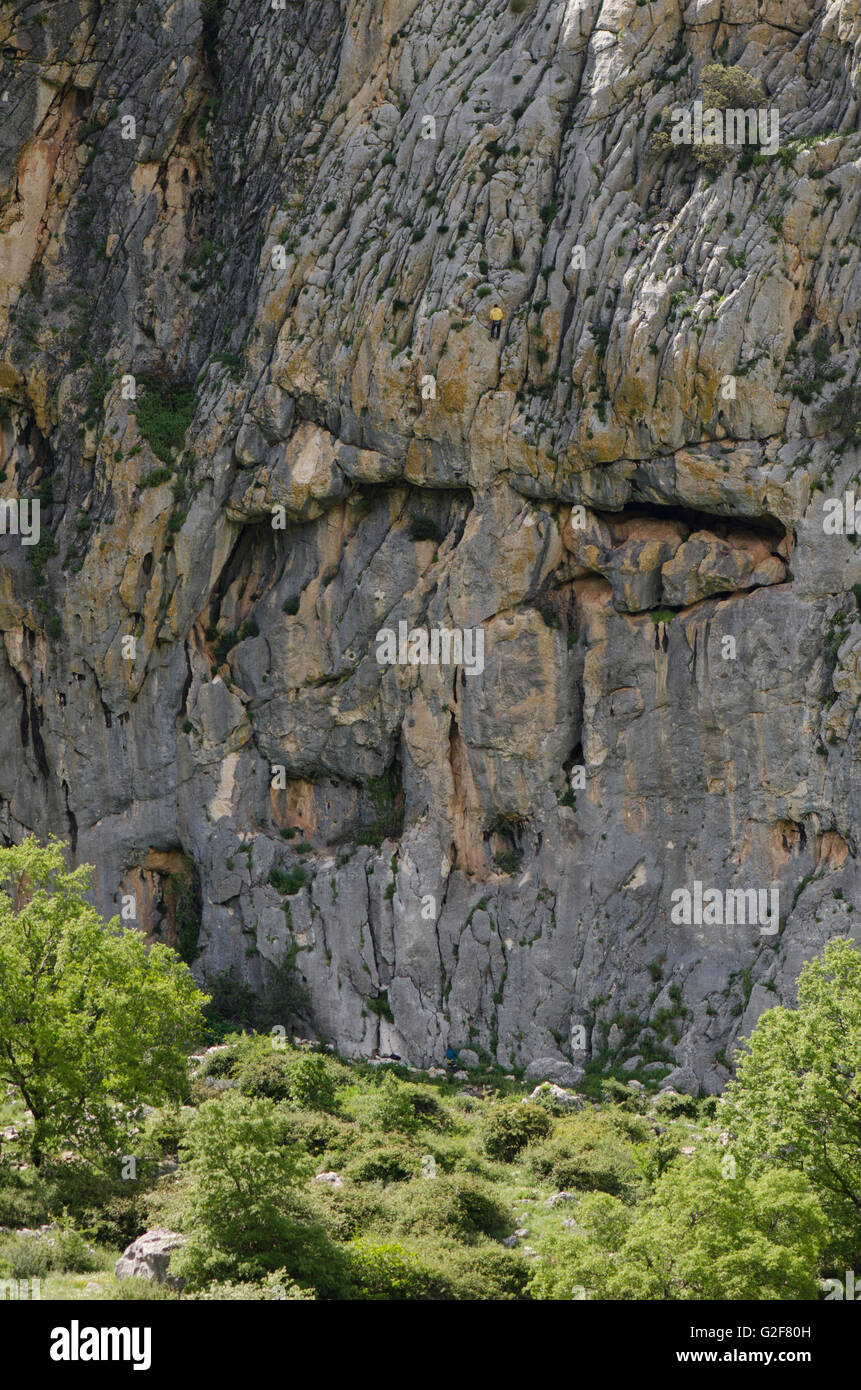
(495, 321)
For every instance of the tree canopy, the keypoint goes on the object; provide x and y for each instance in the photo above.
(93, 1021)
(796, 1097)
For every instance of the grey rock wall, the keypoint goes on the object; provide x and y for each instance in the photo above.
(307, 225)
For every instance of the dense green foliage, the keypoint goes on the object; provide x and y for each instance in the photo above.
(796, 1100)
(164, 412)
(92, 1023)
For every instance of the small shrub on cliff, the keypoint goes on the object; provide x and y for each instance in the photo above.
(423, 528)
(387, 795)
(843, 414)
(164, 412)
(723, 89)
(289, 882)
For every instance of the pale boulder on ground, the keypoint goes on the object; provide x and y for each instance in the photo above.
(148, 1257)
(556, 1095)
(333, 1180)
(554, 1069)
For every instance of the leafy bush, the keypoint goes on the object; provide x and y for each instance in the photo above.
(155, 478)
(588, 1153)
(723, 89)
(698, 1235)
(393, 1107)
(76, 1187)
(244, 1211)
(554, 1105)
(674, 1106)
(24, 1257)
(394, 1163)
(312, 1087)
(486, 1272)
(315, 1132)
(75, 1255)
(352, 1210)
(275, 1287)
(730, 88)
(236, 1048)
(92, 1021)
(240, 1165)
(266, 1077)
(31, 1257)
(304, 1079)
(21, 1204)
(386, 1271)
(619, 1093)
(117, 1221)
(507, 1129)
(454, 1206)
(795, 1101)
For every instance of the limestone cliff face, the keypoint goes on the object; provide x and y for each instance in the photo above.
(283, 229)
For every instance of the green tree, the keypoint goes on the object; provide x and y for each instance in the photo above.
(704, 1235)
(245, 1210)
(92, 1022)
(796, 1098)
(242, 1167)
(698, 1235)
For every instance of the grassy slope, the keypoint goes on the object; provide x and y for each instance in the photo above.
(449, 1222)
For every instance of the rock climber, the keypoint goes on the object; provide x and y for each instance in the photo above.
(495, 321)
